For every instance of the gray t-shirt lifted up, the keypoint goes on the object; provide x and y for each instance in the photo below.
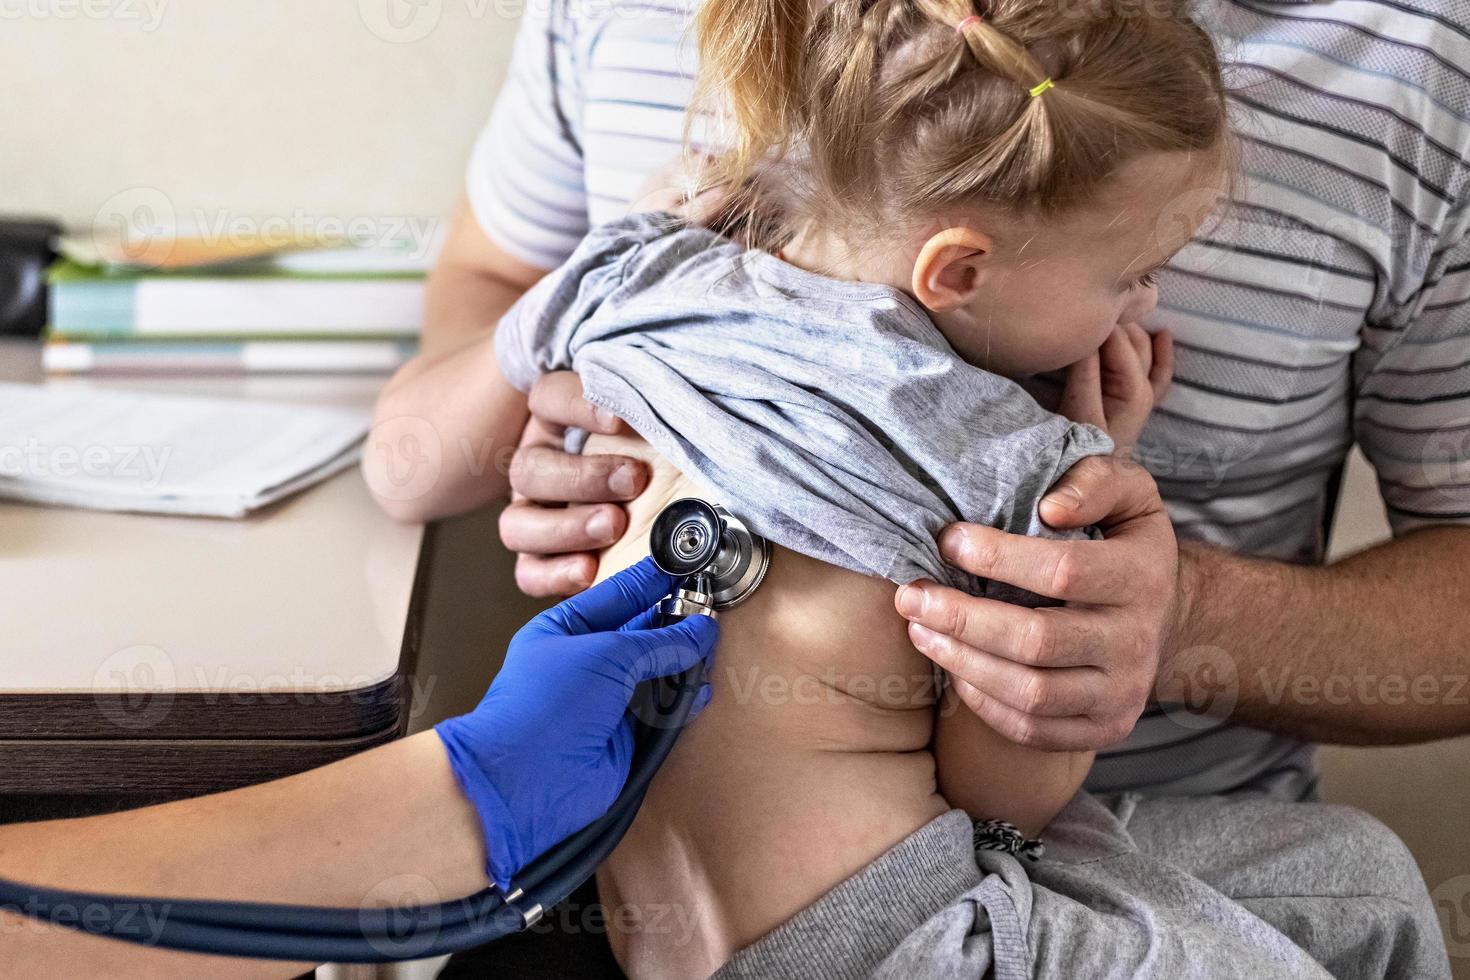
(831, 416)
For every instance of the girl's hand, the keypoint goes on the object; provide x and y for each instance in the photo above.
(1116, 388)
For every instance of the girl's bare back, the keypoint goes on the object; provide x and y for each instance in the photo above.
(812, 759)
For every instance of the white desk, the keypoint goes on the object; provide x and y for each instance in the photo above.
(167, 655)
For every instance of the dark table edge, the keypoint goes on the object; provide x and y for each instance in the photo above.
(176, 756)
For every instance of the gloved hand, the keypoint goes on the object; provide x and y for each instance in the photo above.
(548, 749)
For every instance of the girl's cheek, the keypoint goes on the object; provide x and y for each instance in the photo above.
(1096, 320)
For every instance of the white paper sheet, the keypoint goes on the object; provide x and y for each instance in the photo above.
(170, 454)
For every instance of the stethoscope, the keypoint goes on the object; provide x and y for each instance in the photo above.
(718, 563)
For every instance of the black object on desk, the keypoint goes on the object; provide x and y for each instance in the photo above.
(25, 253)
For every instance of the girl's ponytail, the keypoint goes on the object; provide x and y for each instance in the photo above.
(1024, 150)
(750, 68)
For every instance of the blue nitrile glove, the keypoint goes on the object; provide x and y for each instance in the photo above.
(548, 749)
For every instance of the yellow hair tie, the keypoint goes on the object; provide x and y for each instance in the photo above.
(1042, 87)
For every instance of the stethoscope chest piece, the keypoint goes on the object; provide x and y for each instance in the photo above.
(719, 559)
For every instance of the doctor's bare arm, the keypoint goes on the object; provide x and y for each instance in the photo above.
(389, 824)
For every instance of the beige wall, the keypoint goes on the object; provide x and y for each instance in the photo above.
(314, 109)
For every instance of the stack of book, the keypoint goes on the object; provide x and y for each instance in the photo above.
(333, 310)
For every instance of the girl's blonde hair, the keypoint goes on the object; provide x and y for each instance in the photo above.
(857, 113)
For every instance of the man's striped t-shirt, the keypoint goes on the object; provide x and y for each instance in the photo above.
(1328, 305)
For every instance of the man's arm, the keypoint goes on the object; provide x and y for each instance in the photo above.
(1370, 650)
(524, 185)
(447, 423)
(471, 286)
(1330, 653)
(388, 825)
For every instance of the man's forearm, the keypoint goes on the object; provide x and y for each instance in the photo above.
(443, 435)
(447, 422)
(472, 284)
(389, 825)
(1372, 649)
(462, 304)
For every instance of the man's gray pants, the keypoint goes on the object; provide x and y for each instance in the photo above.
(1161, 888)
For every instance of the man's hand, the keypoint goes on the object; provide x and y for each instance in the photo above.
(1070, 677)
(565, 507)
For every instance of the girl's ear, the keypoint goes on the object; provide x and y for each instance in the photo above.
(947, 271)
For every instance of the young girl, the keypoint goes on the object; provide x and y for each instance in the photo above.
(933, 201)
